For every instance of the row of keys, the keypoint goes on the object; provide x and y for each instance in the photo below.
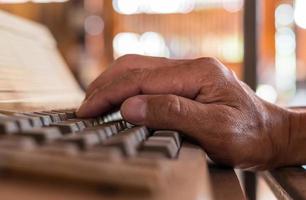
(129, 142)
(14, 122)
(104, 150)
(58, 129)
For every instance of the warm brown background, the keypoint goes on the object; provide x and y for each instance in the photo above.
(88, 55)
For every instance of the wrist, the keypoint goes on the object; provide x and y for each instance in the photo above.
(278, 127)
(296, 149)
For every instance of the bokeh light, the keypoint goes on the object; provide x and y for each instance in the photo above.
(300, 13)
(267, 92)
(285, 41)
(153, 44)
(93, 25)
(128, 7)
(232, 5)
(285, 51)
(126, 43)
(149, 43)
(284, 15)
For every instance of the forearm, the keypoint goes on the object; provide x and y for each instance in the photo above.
(297, 142)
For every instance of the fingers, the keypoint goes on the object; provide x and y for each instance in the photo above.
(125, 63)
(141, 81)
(174, 113)
(158, 111)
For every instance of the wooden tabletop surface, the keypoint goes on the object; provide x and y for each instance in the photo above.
(224, 183)
(287, 183)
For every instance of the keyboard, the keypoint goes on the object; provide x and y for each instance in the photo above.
(105, 152)
(46, 152)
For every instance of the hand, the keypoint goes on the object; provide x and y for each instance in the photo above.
(200, 98)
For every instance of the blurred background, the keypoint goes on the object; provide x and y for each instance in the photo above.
(92, 33)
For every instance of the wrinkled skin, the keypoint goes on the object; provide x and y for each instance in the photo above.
(200, 98)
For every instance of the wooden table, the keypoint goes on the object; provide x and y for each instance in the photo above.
(224, 183)
(287, 183)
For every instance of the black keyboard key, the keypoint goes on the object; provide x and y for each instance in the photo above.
(43, 135)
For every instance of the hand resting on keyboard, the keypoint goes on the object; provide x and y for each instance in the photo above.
(200, 98)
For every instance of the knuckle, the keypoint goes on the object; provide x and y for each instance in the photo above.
(211, 63)
(207, 60)
(128, 57)
(135, 75)
(216, 69)
(215, 65)
(174, 105)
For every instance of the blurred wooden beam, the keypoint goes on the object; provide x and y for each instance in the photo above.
(250, 43)
(250, 73)
(107, 15)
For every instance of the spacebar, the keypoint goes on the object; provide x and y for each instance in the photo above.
(115, 175)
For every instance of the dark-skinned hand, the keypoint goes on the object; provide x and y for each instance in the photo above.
(200, 98)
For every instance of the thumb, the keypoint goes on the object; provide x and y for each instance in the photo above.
(160, 111)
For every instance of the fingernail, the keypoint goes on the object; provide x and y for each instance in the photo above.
(134, 110)
(80, 110)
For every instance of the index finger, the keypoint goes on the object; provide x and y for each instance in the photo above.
(125, 63)
(171, 80)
